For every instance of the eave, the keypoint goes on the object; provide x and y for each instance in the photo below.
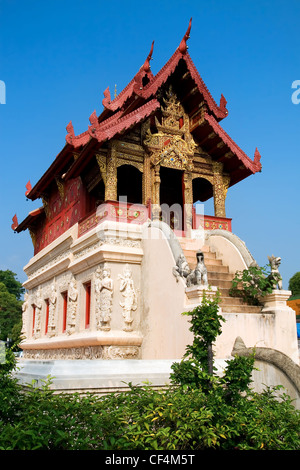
(106, 133)
(29, 220)
(54, 169)
(212, 138)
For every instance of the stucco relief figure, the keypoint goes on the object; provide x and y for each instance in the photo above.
(38, 314)
(72, 307)
(130, 298)
(25, 314)
(104, 293)
(52, 311)
(275, 263)
(198, 276)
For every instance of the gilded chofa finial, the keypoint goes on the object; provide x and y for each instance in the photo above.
(182, 46)
(115, 91)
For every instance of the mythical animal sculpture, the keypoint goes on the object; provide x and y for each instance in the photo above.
(275, 263)
(182, 268)
(198, 275)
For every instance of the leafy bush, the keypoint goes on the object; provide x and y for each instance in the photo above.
(253, 283)
(199, 411)
(148, 419)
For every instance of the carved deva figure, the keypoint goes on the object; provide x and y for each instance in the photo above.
(130, 297)
(72, 307)
(38, 314)
(25, 315)
(52, 310)
(199, 275)
(104, 293)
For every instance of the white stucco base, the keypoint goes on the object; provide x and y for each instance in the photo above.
(99, 376)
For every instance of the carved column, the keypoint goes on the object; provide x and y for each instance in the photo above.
(188, 202)
(156, 193)
(101, 160)
(146, 180)
(111, 191)
(219, 190)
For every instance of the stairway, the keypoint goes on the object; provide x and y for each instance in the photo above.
(218, 275)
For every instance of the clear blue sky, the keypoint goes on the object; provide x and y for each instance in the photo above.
(57, 58)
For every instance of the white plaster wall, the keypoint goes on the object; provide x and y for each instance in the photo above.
(268, 374)
(227, 252)
(165, 331)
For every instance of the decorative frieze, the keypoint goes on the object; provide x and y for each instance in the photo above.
(121, 352)
(85, 352)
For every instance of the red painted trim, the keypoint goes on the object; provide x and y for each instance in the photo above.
(47, 316)
(116, 211)
(211, 222)
(87, 287)
(33, 317)
(65, 309)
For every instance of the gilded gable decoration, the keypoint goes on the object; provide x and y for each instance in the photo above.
(173, 145)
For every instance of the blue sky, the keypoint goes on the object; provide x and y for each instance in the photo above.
(57, 58)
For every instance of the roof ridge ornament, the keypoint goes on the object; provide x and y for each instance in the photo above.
(183, 46)
(146, 67)
(223, 103)
(107, 98)
(28, 187)
(70, 133)
(257, 158)
(15, 222)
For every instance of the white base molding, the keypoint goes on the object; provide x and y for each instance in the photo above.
(98, 376)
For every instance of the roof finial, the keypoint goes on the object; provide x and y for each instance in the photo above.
(146, 66)
(182, 46)
(15, 222)
(257, 158)
(70, 133)
(28, 187)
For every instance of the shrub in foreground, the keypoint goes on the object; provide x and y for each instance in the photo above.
(198, 411)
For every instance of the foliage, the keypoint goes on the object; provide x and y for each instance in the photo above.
(14, 287)
(198, 412)
(294, 284)
(253, 283)
(145, 419)
(196, 367)
(10, 313)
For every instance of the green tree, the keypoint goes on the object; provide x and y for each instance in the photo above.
(10, 313)
(294, 284)
(12, 284)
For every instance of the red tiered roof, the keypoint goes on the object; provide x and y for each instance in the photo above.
(139, 100)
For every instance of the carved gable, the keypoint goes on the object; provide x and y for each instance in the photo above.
(173, 145)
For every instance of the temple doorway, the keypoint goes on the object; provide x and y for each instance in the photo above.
(171, 197)
(203, 194)
(130, 184)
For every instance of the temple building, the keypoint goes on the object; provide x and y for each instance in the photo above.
(118, 212)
